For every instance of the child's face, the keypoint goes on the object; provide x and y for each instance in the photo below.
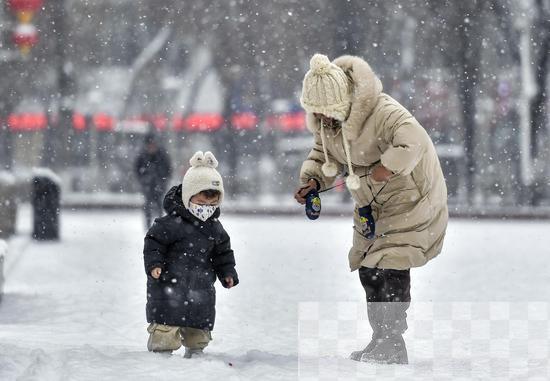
(201, 199)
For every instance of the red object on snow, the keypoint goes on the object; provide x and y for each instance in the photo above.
(25, 5)
(244, 121)
(27, 122)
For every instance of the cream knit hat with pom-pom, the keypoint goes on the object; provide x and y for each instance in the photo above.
(326, 89)
(201, 176)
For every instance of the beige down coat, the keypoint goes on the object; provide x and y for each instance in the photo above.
(411, 211)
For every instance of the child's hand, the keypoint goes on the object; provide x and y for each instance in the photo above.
(155, 273)
(228, 281)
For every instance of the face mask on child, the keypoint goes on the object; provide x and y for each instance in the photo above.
(202, 212)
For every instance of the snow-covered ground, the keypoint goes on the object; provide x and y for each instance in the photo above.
(74, 309)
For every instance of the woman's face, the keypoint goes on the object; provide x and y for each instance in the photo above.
(327, 121)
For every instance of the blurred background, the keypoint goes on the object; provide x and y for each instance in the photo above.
(82, 83)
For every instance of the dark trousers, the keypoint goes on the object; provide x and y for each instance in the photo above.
(386, 285)
(388, 298)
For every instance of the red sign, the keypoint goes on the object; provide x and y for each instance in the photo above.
(199, 122)
(244, 121)
(24, 5)
(288, 122)
(27, 122)
(79, 122)
(104, 122)
(159, 121)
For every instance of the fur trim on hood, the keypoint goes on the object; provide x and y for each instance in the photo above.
(366, 88)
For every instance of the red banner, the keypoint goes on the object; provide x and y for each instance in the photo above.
(289, 122)
(244, 121)
(196, 122)
(200, 122)
(103, 122)
(79, 122)
(27, 122)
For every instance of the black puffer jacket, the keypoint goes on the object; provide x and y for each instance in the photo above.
(191, 253)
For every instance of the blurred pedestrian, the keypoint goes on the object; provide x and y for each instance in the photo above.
(153, 170)
(394, 176)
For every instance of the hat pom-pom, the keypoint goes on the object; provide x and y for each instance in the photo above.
(353, 182)
(197, 160)
(319, 63)
(329, 169)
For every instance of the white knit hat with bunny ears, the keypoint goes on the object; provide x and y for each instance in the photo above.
(201, 176)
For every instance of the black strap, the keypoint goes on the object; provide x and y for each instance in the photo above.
(337, 185)
(373, 195)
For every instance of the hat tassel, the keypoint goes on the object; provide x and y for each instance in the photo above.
(353, 182)
(329, 169)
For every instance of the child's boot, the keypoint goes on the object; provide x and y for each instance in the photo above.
(163, 338)
(194, 340)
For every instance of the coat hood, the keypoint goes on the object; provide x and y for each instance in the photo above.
(366, 88)
(173, 204)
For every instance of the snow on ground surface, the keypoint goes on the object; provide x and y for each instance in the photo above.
(74, 309)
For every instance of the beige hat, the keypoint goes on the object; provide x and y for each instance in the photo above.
(201, 176)
(326, 89)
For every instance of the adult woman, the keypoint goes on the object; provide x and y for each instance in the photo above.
(395, 179)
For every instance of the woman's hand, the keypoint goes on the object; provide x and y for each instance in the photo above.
(301, 193)
(381, 173)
